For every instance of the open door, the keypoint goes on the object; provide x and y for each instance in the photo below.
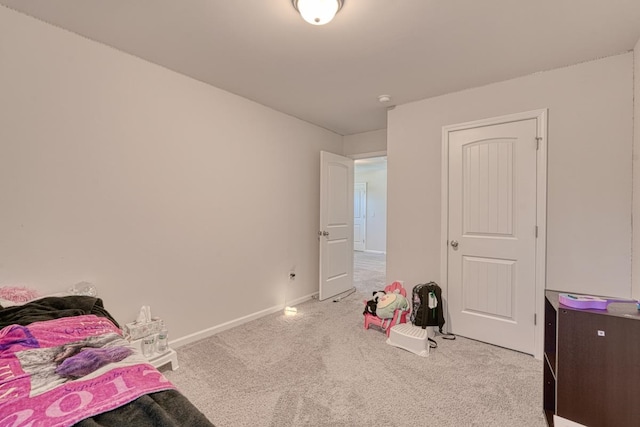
(336, 225)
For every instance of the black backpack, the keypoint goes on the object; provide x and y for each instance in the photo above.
(427, 307)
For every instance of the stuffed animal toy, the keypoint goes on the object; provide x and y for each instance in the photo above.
(373, 303)
(91, 359)
(389, 303)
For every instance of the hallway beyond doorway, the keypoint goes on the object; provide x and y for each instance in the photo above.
(369, 272)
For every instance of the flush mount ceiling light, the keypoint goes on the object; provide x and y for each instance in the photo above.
(317, 12)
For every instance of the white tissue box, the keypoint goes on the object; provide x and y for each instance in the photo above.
(136, 330)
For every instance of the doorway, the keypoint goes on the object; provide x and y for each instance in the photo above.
(370, 224)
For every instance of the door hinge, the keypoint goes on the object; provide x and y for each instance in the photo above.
(535, 319)
(538, 139)
(536, 231)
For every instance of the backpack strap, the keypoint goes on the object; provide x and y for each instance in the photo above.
(447, 335)
(425, 310)
(432, 343)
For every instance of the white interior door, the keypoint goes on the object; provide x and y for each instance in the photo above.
(492, 233)
(336, 225)
(359, 216)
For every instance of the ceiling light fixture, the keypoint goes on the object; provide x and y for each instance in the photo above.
(317, 12)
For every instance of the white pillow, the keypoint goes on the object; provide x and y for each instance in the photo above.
(5, 303)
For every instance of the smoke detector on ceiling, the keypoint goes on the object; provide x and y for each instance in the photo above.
(384, 99)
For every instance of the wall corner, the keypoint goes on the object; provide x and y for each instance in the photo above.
(635, 197)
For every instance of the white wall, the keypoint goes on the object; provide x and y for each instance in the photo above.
(636, 175)
(589, 172)
(376, 233)
(157, 188)
(365, 142)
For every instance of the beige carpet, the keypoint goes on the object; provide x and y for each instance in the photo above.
(321, 368)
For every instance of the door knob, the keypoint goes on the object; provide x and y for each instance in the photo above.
(454, 244)
(325, 233)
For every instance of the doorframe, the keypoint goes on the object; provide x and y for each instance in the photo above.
(541, 209)
(369, 155)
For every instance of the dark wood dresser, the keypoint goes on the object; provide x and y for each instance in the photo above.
(592, 364)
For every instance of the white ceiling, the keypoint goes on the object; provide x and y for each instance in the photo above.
(332, 75)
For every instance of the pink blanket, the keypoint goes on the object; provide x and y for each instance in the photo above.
(58, 372)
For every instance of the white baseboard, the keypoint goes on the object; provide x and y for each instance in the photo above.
(371, 251)
(206, 333)
(302, 299)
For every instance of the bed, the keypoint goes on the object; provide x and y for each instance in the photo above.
(64, 361)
